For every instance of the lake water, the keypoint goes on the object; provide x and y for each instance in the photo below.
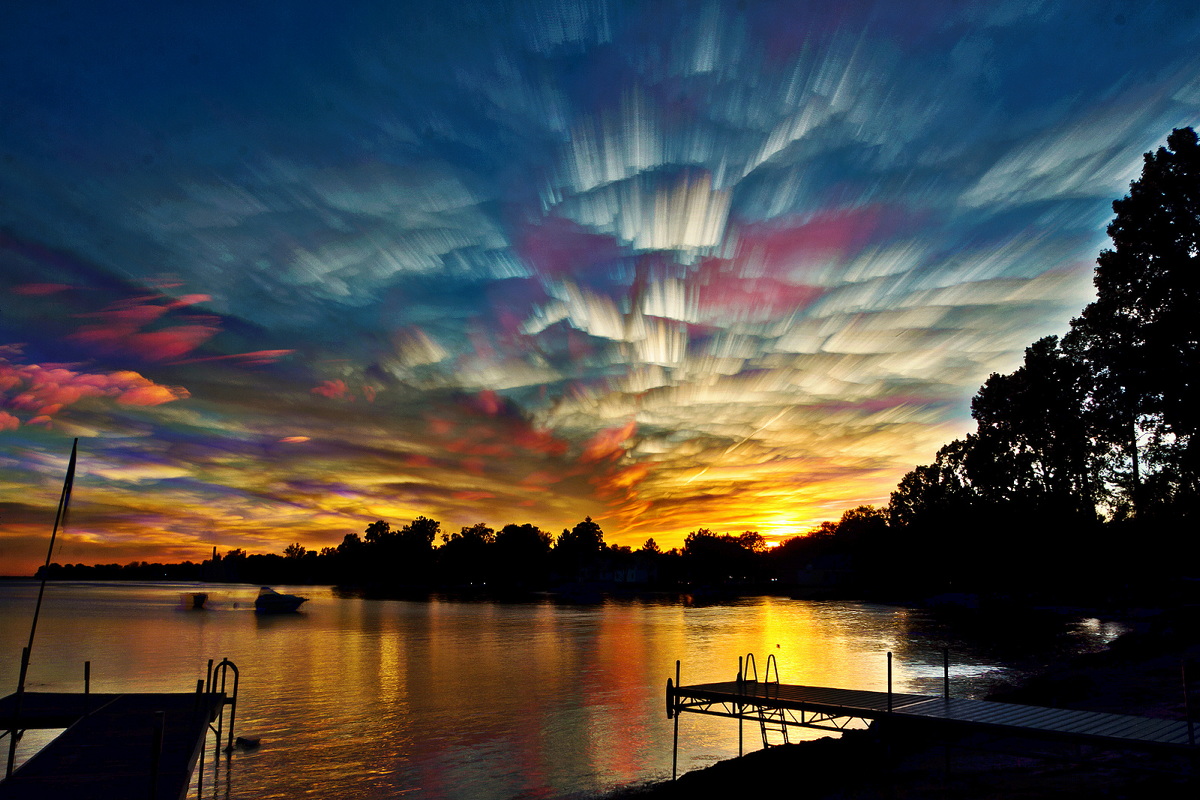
(359, 698)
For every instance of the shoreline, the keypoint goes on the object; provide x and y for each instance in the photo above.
(1138, 673)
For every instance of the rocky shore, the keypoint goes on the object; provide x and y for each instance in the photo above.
(1140, 673)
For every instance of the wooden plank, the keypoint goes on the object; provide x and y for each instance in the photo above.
(1081, 725)
(41, 710)
(111, 752)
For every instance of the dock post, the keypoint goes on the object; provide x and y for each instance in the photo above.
(1187, 704)
(675, 739)
(14, 733)
(946, 673)
(889, 681)
(741, 706)
(87, 688)
(160, 722)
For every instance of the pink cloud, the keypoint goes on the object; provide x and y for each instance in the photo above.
(296, 439)
(556, 247)
(119, 328)
(331, 389)
(42, 391)
(253, 357)
(784, 245)
(39, 289)
(722, 291)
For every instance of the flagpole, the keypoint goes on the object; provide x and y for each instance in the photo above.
(59, 521)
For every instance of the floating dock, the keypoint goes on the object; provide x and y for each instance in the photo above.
(115, 746)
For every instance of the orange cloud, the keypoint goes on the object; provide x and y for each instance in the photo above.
(473, 495)
(608, 444)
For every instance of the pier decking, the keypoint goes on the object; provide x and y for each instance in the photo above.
(129, 745)
(834, 709)
(115, 745)
(776, 707)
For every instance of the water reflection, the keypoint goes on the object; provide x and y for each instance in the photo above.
(443, 699)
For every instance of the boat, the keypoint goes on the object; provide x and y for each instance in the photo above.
(193, 601)
(270, 601)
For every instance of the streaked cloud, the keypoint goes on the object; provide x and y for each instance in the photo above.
(529, 263)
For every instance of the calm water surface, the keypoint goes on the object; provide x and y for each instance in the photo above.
(362, 698)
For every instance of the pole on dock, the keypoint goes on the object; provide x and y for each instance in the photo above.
(889, 681)
(160, 723)
(14, 733)
(60, 520)
(87, 688)
(740, 677)
(946, 672)
(675, 739)
(1187, 705)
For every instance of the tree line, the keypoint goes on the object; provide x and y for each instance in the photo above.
(476, 558)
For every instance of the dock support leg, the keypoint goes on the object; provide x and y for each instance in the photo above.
(15, 733)
(1187, 704)
(675, 737)
(889, 682)
(160, 724)
(946, 673)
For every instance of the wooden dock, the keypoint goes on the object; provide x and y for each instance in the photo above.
(835, 709)
(114, 746)
(776, 707)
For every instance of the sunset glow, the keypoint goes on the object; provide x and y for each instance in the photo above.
(736, 266)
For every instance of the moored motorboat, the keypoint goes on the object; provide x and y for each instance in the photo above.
(193, 601)
(270, 601)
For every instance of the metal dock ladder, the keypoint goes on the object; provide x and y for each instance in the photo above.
(770, 720)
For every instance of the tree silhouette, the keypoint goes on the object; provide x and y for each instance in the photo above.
(522, 553)
(1031, 451)
(1141, 336)
(466, 556)
(378, 531)
(585, 539)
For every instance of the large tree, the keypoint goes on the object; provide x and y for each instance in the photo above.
(1141, 336)
(1032, 446)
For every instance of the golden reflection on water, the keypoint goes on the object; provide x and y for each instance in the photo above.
(441, 699)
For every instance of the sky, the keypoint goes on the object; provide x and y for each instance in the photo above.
(286, 268)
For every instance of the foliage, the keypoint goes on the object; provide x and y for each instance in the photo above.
(1141, 337)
